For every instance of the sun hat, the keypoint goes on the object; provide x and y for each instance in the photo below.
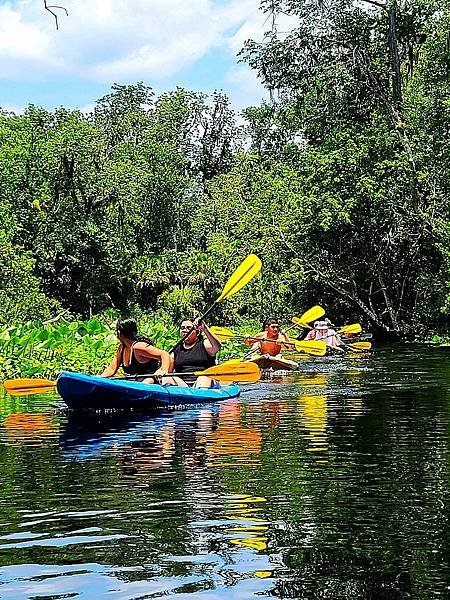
(321, 325)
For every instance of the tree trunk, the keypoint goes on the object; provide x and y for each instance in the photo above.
(394, 56)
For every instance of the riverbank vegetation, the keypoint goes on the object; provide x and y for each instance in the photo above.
(340, 184)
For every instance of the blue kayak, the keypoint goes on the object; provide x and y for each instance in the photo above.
(81, 392)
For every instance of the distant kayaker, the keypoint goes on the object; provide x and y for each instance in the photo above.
(268, 344)
(137, 355)
(324, 331)
(196, 353)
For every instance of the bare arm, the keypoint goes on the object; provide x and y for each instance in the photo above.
(284, 342)
(249, 340)
(211, 342)
(114, 365)
(145, 351)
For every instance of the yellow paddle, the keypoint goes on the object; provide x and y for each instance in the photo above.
(354, 328)
(231, 370)
(19, 386)
(309, 346)
(316, 348)
(314, 313)
(227, 371)
(249, 267)
(222, 333)
(361, 346)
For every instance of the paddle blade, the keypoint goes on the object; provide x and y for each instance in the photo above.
(300, 323)
(249, 267)
(361, 345)
(28, 392)
(233, 370)
(312, 314)
(20, 387)
(355, 328)
(222, 332)
(314, 347)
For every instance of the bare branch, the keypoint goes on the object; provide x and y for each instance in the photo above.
(375, 3)
(49, 7)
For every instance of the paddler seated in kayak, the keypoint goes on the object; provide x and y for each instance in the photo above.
(323, 331)
(268, 344)
(196, 353)
(137, 355)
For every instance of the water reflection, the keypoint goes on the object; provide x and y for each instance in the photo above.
(134, 438)
(230, 440)
(249, 530)
(333, 484)
(313, 413)
(29, 428)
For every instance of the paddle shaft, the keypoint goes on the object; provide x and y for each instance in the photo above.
(255, 339)
(239, 278)
(309, 327)
(189, 374)
(349, 346)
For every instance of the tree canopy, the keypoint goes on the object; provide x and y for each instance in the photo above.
(340, 183)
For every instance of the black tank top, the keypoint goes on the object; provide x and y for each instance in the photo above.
(137, 368)
(192, 359)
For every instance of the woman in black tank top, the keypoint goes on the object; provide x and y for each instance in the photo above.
(196, 353)
(137, 355)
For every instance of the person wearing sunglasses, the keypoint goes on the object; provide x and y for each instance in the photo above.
(137, 355)
(196, 353)
(267, 346)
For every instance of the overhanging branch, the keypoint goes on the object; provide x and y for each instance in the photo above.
(49, 8)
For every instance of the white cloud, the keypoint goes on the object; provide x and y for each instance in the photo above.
(244, 88)
(87, 108)
(22, 44)
(119, 39)
(105, 41)
(12, 108)
(255, 25)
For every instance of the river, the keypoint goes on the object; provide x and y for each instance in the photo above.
(329, 484)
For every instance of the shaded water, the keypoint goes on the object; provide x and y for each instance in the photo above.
(334, 484)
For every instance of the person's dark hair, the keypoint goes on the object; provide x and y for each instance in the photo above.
(129, 328)
(269, 321)
(191, 319)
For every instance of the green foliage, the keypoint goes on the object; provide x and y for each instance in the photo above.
(146, 205)
(363, 91)
(20, 296)
(36, 349)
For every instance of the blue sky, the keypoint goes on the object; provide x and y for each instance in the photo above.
(165, 43)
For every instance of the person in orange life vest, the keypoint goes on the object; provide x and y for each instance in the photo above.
(269, 342)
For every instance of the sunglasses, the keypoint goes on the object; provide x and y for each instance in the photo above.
(185, 327)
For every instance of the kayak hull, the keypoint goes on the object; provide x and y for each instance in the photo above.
(265, 362)
(84, 392)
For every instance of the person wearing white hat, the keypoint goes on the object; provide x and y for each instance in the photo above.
(323, 331)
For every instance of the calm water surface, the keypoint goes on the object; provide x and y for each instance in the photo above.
(332, 484)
